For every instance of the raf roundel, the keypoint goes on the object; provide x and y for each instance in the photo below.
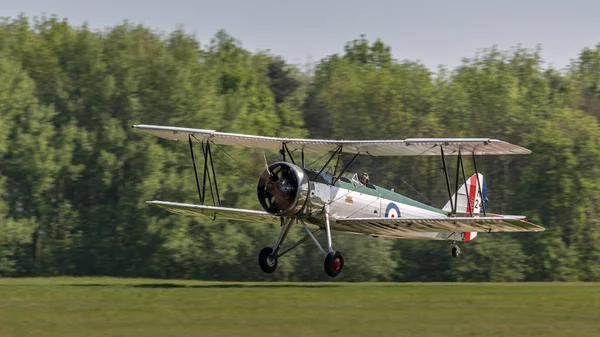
(392, 211)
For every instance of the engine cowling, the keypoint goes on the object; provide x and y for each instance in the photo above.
(283, 189)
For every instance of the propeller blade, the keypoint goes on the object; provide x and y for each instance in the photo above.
(266, 163)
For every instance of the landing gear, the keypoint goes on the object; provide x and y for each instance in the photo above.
(267, 258)
(455, 250)
(334, 263)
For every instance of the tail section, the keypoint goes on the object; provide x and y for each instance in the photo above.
(469, 198)
(469, 203)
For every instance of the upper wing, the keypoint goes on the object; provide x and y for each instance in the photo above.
(406, 147)
(398, 226)
(216, 212)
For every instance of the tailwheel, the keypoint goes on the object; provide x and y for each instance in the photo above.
(266, 260)
(455, 251)
(334, 263)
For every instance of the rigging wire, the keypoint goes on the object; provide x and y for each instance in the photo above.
(241, 179)
(421, 194)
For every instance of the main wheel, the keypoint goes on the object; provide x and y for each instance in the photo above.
(455, 251)
(334, 263)
(266, 260)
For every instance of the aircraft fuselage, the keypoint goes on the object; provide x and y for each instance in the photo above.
(349, 198)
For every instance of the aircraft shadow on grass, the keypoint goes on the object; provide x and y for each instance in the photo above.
(230, 285)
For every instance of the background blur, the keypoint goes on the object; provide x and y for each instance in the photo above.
(74, 177)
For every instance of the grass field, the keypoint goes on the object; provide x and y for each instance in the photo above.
(141, 307)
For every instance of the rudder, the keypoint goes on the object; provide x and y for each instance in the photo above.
(473, 203)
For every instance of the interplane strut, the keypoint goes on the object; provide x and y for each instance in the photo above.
(461, 169)
(208, 159)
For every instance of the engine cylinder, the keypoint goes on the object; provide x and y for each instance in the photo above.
(283, 189)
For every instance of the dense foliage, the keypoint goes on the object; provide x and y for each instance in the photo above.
(74, 177)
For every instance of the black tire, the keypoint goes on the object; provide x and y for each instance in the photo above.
(334, 263)
(455, 252)
(266, 261)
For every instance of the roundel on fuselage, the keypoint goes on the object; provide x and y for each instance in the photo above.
(392, 211)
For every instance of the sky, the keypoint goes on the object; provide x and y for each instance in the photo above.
(435, 32)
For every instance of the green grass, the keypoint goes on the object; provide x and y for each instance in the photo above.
(141, 307)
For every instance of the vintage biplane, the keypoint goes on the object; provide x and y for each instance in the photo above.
(289, 192)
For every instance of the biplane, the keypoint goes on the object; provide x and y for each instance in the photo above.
(323, 201)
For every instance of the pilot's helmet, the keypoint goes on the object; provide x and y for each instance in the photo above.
(365, 176)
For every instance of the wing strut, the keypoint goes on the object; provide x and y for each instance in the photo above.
(458, 159)
(337, 152)
(214, 192)
(338, 149)
(195, 169)
(337, 162)
(345, 168)
(284, 146)
(212, 165)
(479, 185)
(447, 180)
(462, 168)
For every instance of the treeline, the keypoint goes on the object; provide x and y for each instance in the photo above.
(74, 177)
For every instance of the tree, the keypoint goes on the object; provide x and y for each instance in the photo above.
(74, 177)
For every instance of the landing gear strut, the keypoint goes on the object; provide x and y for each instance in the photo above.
(267, 258)
(455, 250)
(334, 261)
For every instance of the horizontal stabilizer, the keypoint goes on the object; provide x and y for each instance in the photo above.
(445, 224)
(406, 147)
(216, 212)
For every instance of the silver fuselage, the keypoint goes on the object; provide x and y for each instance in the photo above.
(351, 199)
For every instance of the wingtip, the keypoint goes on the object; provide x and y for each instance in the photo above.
(536, 226)
(521, 150)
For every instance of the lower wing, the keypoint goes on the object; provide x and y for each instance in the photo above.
(442, 224)
(216, 212)
(372, 226)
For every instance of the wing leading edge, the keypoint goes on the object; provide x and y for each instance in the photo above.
(406, 147)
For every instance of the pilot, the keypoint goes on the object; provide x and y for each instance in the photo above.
(364, 179)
